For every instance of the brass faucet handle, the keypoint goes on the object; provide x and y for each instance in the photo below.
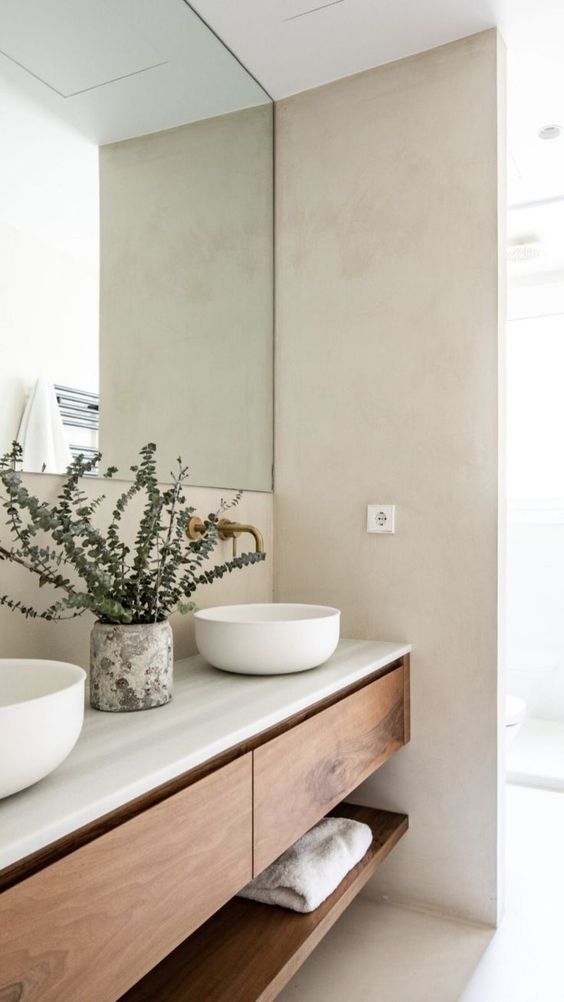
(227, 529)
(195, 529)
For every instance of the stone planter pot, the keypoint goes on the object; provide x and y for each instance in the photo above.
(130, 666)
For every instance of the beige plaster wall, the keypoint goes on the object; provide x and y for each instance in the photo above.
(387, 391)
(69, 641)
(186, 293)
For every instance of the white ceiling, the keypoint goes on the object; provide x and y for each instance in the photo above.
(290, 54)
(292, 45)
(49, 40)
(119, 69)
(535, 167)
(289, 50)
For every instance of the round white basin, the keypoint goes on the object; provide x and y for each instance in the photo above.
(270, 639)
(41, 715)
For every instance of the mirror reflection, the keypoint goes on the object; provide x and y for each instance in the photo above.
(135, 242)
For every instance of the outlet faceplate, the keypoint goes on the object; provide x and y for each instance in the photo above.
(381, 518)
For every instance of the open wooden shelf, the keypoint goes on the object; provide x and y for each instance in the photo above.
(248, 951)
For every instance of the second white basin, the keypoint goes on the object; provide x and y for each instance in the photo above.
(269, 639)
(41, 715)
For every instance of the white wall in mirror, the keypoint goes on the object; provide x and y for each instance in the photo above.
(49, 255)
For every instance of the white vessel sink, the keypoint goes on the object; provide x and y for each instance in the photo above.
(270, 639)
(41, 714)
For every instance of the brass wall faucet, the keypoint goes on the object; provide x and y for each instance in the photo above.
(226, 529)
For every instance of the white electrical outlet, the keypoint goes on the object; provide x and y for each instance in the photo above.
(381, 518)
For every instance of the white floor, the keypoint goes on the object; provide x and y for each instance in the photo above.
(379, 953)
(536, 756)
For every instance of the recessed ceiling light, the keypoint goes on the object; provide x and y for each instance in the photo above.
(550, 132)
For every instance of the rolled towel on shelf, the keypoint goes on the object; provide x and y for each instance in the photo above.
(310, 870)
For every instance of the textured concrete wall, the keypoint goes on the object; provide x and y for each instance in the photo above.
(387, 391)
(186, 298)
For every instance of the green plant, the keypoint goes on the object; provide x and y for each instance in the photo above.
(97, 570)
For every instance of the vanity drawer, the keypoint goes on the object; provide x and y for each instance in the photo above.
(302, 774)
(90, 925)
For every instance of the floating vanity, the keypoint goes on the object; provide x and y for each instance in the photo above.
(118, 872)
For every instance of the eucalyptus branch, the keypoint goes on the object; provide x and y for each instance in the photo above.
(172, 497)
(38, 556)
(52, 613)
(119, 586)
(56, 580)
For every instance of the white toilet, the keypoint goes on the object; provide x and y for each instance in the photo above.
(515, 709)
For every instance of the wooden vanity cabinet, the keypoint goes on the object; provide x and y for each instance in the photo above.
(143, 907)
(302, 774)
(87, 927)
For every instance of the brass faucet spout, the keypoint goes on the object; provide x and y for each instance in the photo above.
(226, 529)
(231, 530)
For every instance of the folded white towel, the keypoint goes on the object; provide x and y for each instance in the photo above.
(310, 870)
(41, 433)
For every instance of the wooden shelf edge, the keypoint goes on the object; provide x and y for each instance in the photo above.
(247, 952)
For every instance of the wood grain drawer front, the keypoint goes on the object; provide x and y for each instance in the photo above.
(302, 774)
(89, 926)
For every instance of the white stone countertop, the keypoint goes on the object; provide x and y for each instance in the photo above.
(120, 756)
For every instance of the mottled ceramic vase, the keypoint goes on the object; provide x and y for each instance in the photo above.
(130, 666)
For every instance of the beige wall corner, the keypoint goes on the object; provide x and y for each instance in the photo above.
(502, 491)
(387, 391)
(70, 641)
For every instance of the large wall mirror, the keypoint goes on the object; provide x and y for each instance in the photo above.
(136, 216)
